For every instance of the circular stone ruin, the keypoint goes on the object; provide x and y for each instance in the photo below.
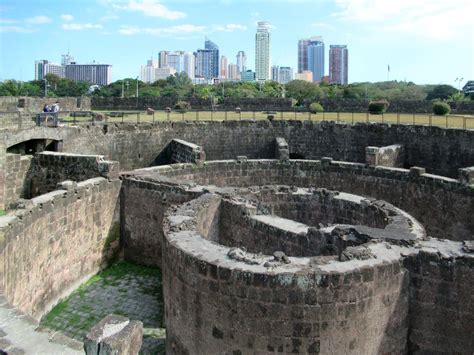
(285, 269)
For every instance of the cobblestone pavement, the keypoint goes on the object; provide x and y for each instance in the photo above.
(126, 289)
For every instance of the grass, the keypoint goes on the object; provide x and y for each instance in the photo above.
(449, 121)
(2, 212)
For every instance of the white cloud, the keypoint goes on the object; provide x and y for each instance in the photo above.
(231, 27)
(181, 30)
(163, 31)
(8, 20)
(38, 20)
(67, 17)
(17, 29)
(151, 8)
(80, 26)
(432, 19)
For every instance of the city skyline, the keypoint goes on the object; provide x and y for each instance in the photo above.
(125, 33)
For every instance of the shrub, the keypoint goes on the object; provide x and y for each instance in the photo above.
(441, 108)
(316, 107)
(378, 107)
(182, 106)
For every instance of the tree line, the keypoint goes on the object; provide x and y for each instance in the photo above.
(180, 87)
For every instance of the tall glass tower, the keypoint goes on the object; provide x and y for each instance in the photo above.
(311, 56)
(262, 52)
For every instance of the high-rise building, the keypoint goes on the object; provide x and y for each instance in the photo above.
(223, 67)
(44, 67)
(241, 61)
(207, 61)
(276, 73)
(162, 59)
(97, 74)
(176, 60)
(147, 72)
(66, 59)
(163, 73)
(311, 56)
(306, 75)
(189, 64)
(338, 64)
(233, 72)
(247, 75)
(285, 75)
(262, 52)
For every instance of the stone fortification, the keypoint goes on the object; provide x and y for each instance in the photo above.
(57, 241)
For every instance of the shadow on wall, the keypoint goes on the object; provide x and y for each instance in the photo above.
(297, 156)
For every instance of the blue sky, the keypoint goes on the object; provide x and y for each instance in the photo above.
(425, 41)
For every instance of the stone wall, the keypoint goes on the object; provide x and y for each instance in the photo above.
(50, 168)
(424, 196)
(214, 304)
(16, 170)
(16, 120)
(180, 151)
(440, 151)
(282, 151)
(28, 104)
(391, 156)
(56, 242)
(441, 303)
(143, 204)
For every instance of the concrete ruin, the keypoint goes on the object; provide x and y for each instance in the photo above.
(362, 245)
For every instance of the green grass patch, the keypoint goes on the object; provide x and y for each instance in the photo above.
(2, 212)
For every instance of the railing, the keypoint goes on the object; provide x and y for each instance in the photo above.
(97, 117)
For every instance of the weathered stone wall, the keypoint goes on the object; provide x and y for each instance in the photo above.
(214, 304)
(180, 151)
(16, 169)
(50, 168)
(143, 204)
(56, 242)
(36, 104)
(424, 196)
(440, 151)
(16, 120)
(441, 303)
(282, 150)
(391, 156)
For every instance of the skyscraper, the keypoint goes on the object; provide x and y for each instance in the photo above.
(241, 61)
(311, 56)
(262, 52)
(66, 59)
(147, 72)
(223, 67)
(338, 64)
(214, 63)
(162, 59)
(44, 67)
(285, 75)
(176, 61)
(189, 64)
(99, 74)
(233, 72)
(276, 73)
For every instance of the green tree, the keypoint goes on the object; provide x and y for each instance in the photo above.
(303, 90)
(441, 92)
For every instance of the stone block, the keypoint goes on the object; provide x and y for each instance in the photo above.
(114, 334)
(417, 171)
(466, 176)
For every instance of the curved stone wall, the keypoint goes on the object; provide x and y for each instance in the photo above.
(424, 196)
(56, 241)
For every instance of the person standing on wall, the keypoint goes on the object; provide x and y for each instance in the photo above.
(55, 110)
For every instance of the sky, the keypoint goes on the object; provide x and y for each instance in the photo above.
(423, 41)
